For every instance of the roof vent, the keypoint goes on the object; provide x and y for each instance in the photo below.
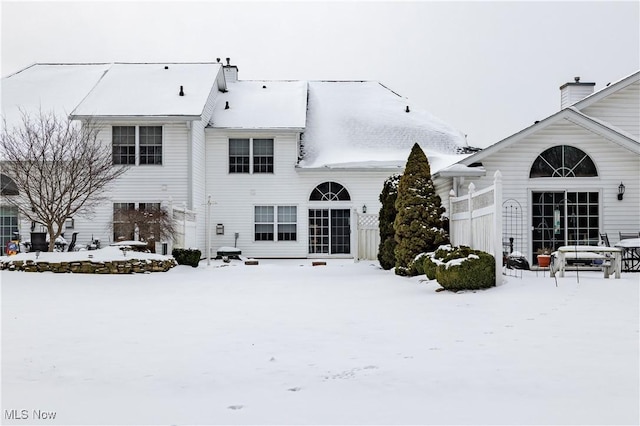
(407, 109)
(576, 79)
(226, 105)
(166, 67)
(181, 91)
(228, 61)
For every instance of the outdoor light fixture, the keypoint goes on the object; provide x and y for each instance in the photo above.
(364, 208)
(620, 191)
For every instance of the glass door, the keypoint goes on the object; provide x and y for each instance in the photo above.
(564, 218)
(329, 231)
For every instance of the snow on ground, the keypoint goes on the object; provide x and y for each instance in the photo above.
(288, 343)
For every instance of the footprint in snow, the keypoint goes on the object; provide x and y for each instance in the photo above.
(235, 407)
(296, 389)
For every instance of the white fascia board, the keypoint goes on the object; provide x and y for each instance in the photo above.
(129, 118)
(329, 169)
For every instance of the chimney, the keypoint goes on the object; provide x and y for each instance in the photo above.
(230, 71)
(570, 93)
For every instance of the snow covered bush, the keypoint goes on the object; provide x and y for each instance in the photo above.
(187, 256)
(417, 266)
(419, 224)
(463, 268)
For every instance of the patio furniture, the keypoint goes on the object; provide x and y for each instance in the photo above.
(630, 254)
(585, 253)
(72, 244)
(605, 239)
(629, 235)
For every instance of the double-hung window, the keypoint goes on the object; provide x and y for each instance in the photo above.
(150, 144)
(239, 155)
(276, 221)
(135, 145)
(250, 155)
(287, 223)
(124, 144)
(264, 223)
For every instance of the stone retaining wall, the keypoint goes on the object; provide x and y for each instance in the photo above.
(128, 266)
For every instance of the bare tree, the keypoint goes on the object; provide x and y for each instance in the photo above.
(149, 223)
(60, 168)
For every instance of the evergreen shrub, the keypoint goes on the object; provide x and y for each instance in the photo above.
(419, 225)
(189, 257)
(477, 271)
(387, 216)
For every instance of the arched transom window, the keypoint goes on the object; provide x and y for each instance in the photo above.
(563, 161)
(329, 191)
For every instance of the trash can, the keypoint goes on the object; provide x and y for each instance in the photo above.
(39, 241)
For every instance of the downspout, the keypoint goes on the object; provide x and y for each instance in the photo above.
(189, 165)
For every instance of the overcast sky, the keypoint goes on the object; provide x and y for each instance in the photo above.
(489, 69)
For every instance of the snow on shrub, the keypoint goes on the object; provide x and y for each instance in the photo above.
(187, 256)
(461, 268)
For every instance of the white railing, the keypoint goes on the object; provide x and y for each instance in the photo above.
(475, 220)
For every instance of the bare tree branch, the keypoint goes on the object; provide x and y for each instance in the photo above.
(60, 167)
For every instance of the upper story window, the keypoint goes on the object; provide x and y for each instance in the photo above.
(137, 145)
(250, 155)
(124, 144)
(330, 191)
(563, 161)
(150, 144)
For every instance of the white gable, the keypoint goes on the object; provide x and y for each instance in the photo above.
(262, 105)
(351, 123)
(135, 90)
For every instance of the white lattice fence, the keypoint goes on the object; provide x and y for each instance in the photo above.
(368, 236)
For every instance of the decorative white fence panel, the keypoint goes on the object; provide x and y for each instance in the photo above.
(475, 220)
(185, 221)
(368, 237)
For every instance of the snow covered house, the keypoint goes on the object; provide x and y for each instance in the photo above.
(273, 168)
(569, 178)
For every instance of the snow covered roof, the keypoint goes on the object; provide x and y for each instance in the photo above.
(110, 90)
(55, 88)
(363, 123)
(261, 105)
(151, 90)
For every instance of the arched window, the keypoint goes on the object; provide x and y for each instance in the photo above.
(8, 186)
(563, 161)
(330, 191)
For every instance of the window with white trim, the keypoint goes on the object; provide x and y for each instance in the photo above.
(287, 223)
(125, 216)
(247, 155)
(137, 145)
(272, 226)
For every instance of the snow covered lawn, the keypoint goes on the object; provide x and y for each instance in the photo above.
(347, 343)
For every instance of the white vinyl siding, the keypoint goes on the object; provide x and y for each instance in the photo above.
(621, 109)
(613, 163)
(236, 195)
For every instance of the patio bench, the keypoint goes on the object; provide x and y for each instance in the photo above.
(588, 253)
